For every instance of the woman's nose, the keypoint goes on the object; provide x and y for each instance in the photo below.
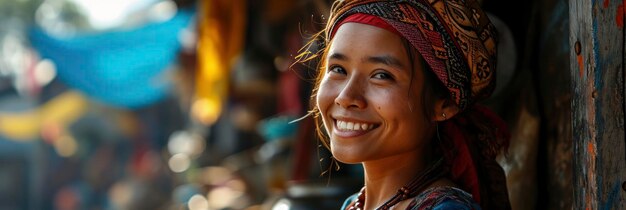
(352, 95)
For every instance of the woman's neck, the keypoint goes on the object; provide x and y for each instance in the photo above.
(384, 177)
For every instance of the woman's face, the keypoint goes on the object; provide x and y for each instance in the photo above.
(369, 97)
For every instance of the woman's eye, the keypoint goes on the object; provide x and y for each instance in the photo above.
(383, 75)
(337, 69)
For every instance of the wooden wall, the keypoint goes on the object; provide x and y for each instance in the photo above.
(597, 74)
(571, 68)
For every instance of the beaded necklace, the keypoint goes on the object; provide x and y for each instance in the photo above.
(409, 190)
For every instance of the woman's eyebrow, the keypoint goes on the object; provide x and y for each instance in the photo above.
(387, 60)
(382, 59)
(338, 56)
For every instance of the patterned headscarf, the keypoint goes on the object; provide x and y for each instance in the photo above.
(455, 37)
(458, 42)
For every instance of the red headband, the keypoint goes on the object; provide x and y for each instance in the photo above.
(365, 19)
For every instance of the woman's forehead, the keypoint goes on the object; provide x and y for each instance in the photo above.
(356, 39)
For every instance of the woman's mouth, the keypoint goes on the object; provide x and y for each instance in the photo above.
(353, 126)
(346, 128)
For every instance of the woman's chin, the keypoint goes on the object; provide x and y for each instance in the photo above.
(346, 157)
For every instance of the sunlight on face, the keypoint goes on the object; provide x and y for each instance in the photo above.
(369, 97)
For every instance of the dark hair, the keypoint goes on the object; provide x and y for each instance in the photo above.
(433, 88)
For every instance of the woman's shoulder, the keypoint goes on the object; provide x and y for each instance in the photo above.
(443, 198)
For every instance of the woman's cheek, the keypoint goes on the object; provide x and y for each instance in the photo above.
(324, 100)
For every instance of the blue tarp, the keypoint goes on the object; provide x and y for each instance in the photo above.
(119, 68)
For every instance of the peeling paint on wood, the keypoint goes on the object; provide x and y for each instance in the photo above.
(598, 103)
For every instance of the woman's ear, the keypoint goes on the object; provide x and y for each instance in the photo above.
(444, 110)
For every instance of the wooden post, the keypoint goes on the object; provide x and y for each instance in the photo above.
(597, 72)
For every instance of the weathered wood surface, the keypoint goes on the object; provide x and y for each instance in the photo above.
(597, 72)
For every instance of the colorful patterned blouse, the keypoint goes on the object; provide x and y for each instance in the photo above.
(436, 198)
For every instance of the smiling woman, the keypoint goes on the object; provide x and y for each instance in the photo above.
(371, 86)
(396, 92)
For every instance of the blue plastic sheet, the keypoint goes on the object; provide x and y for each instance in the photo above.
(119, 68)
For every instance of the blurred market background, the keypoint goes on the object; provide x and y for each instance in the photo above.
(185, 104)
(155, 104)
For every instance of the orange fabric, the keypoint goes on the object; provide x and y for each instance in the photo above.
(222, 25)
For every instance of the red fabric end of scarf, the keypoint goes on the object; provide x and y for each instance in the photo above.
(463, 171)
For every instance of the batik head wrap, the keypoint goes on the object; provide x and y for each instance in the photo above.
(455, 37)
(458, 42)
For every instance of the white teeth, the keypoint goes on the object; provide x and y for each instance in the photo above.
(343, 125)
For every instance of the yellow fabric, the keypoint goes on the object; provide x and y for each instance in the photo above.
(222, 30)
(62, 111)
